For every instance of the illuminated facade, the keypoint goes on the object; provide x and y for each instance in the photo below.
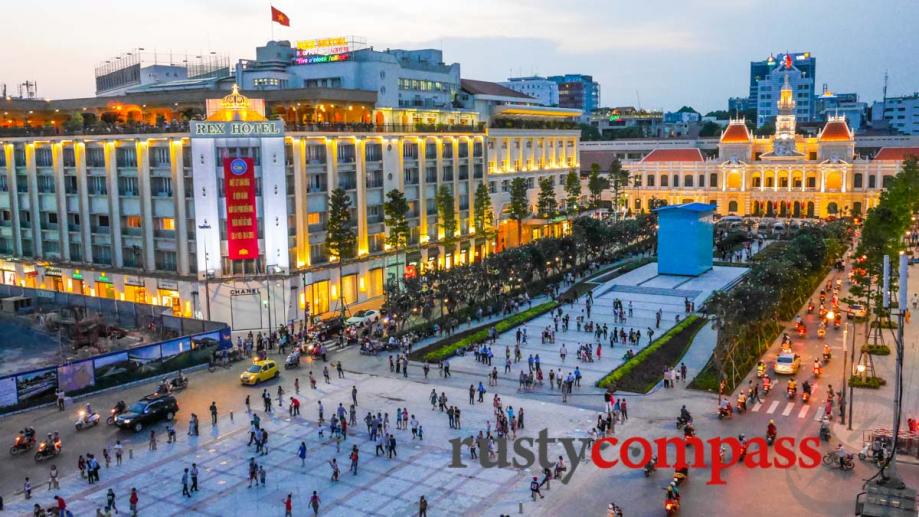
(785, 175)
(144, 216)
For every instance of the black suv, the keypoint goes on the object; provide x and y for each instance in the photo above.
(146, 411)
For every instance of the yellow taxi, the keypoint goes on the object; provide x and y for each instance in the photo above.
(259, 371)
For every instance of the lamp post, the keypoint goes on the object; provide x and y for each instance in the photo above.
(207, 291)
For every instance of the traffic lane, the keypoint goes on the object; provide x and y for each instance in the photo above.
(222, 386)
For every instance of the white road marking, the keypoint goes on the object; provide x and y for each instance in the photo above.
(788, 409)
(772, 407)
(757, 406)
(804, 409)
(819, 414)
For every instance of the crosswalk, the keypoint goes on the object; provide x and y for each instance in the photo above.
(785, 407)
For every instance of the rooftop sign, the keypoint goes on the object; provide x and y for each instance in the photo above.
(267, 128)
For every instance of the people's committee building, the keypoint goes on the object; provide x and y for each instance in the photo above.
(787, 174)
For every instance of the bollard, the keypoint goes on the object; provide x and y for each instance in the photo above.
(231, 416)
(130, 454)
(520, 507)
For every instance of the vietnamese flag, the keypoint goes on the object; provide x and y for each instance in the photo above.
(278, 16)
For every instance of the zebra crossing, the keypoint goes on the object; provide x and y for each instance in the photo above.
(787, 407)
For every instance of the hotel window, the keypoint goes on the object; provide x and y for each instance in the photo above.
(701, 180)
(430, 151)
(872, 181)
(159, 157)
(665, 180)
(126, 156)
(373, 152)
(96, 185)
(95, 157)
(376, 241)
(345, 153)
(757, 182)
(165, 223)
(165, 260)
(676, 180)
(812, 182)
(687, 181)
(713, 180)
(69, 157)
(43, 157)
(315, 154)
(46, 184)
(127, 186)
(857, 181)
(132, 221)
(651, 180)
(4, 186)
(19, 157)
(410, 151)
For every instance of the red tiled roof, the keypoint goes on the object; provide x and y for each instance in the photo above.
(736, 134)
(488, 88)
(836, 131)
(673, 155)
(897, 153)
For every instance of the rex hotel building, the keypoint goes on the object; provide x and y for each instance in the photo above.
(213, 203)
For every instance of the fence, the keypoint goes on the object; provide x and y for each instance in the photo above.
(154, 318)
(183, 343)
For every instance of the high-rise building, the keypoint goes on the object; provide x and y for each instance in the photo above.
(543, 90)
(768, 76)
(901, 113)
(577, 91)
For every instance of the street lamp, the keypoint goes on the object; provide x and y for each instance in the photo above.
(207, 291)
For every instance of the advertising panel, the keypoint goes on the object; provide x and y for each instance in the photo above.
(76, 376)
(37, 384)
(242, 223)
(8, 392)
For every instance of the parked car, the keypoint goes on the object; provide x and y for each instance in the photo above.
(259, 371)
(787, 364)
(858, 310)
(146, 411)
(362, 316)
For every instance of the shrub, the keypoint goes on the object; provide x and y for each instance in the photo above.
(869, 382)
(446, 349)
(876, 349)
(645, 370)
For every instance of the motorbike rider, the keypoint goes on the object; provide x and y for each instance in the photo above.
(817, 367)
(684, 414)
(673, 492)
(841, 454)
(761, 368)
(767, 383)
(826, 351)
(89, 413)
(771, 430)
(792, 387)
(689, 431)
(57, 441)
(806, 388)
(741, 401)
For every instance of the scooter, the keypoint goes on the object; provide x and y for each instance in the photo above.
(792, 393)
(46, 450)
(86, 421)
(292, 361)
(831, 459)
(770, 438)
(118, 409)
(805, 397)
(681, 422)
(824, 430)
(725, 412)
(24, 442)
(826, 357)
(671, 506)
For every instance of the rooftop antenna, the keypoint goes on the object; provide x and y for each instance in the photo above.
(885, 88)
(637, 96)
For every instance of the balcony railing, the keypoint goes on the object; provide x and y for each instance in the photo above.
(98, 129)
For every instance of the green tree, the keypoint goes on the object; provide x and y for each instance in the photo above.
(618, 179)
(340, 240)
(709, 129)
(573, 191)
(446, 215)
(545, 201)
(596, 184)
(482, 210)
(395, 209)
(520, 206)
(75, 122)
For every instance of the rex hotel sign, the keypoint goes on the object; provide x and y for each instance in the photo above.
(237, 129)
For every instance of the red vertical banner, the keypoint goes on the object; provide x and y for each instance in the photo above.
(242, 223)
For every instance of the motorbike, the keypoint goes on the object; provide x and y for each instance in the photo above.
(792, 393)
(741, 405)
(725, 412)
(837, 323)
(292, 361)
(681, 422)
(805, 397)
(831, 459)
(770, 438)
(802, 330)
(810, 307)
(46, 450)
(86, 421)
(824, 430)
(875, 452)
(680, 475)
(826, 357)
(24, 442)
(118, 409)
(821, 331)
(761, 371)
(651, 466)
(767, 388)
(177, 383)
(671, 506)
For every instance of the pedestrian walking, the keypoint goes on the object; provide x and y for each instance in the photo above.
(335, 472)
(623, 408)
(118, 451)
(261, 474)
(60, 400)
(683, 371)
(289, 506)
(27, 488)
(53, 478)
(185, 491)
(110, 501)
(341, 372)
(354, 458)
(194, 477)
(132, 501)
(422, 507)
(354, 395)
(152, 439)
(314, 503)
(534, 489)
(301, 453)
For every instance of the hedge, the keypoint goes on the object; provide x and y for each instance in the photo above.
(628, 373)
(876, 349)
(869, 382)
(448, 349)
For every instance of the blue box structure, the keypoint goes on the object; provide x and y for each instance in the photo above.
(685, 238)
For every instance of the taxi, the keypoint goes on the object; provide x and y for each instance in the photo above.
(259, 371)
(787, 364)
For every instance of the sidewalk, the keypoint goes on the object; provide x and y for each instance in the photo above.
(873, 409)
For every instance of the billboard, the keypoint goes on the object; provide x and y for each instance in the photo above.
(76, 376)
(242, 223)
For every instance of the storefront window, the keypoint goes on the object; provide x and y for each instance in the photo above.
(349, 288)
(375, 283)
(318, 296)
